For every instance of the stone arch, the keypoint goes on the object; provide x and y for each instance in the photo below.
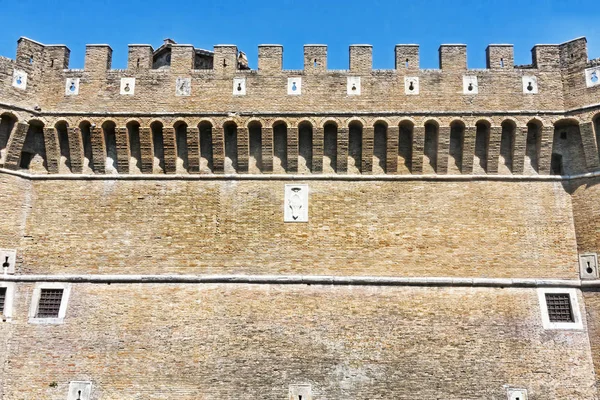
(596, 126)
(110, 142)
(355, 119)
(205, 132)
(33, 153)
(568, 154)
(280, 153)
(533, 146)
(507, 146)
(329, 120)
(330, 140)
(305, 146)
(483, 127)
(85, 133)
(181, 146)
(382, 121)
(255, 145)
(430, 146)
(8, 122)
(457, 146)
(133, 126)
(380, 145)
(158, 146)
(355, 148)
(406, 128)
(62, 133)
(230, 135)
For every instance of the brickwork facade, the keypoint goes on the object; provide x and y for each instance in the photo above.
(442, 205)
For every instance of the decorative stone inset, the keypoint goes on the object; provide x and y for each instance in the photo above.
(239, 86)
(516, 394)
(530, 85)
(19, 79)
(588, 266)
(353, 86)
(183, 86)
(300, 392)
(295, 207)
(8, 258)
(411, 85)
(127, 86)
(294, 86)
(80, 390)
(592, 76)
(470, 85)
(72, 87)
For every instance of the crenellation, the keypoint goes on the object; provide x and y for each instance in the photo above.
(140, 57)
(361, 58)
(500, 56)
(270, 58)
(546, 56)
(225, 59)
(453, 57)
(315, 58)
(407, 57)
(182, 58)
(98, 58)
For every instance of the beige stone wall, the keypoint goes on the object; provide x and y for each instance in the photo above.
(472, 229)
(221, 342)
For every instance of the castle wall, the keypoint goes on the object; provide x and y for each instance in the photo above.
(474, 229)
(157, 341)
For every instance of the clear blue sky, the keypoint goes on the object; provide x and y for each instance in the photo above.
(382, 23)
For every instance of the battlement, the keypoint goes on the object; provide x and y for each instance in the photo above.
(270, 56)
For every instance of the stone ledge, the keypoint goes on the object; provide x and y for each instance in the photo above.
(311, 280)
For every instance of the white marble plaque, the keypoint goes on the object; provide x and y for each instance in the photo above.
(530, 84)
(19, 79)
(8, 258)
(353, 86)
(592, 76)
(80, 390)
(72, 87)
(300, 392)
(127, 86)
(183, 86)
(294, 87)
(295, 207)
(411, 85)
(470, 85)
(239, 86)
(517, 394)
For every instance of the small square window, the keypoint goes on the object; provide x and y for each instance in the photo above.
(559, 307)
(49, 304)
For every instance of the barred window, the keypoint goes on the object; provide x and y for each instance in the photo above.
(49, 304)
(2, 299)
(559, 307)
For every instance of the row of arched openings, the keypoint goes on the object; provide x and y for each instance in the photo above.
(567, 150)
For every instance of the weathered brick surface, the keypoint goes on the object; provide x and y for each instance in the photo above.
(354, 228)
(219, 342)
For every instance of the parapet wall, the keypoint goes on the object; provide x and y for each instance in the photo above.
(556, 80)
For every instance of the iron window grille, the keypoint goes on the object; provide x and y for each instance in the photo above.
(559, 307)
(49, 304)
(2, 299)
